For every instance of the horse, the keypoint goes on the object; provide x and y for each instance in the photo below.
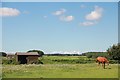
(102, 60)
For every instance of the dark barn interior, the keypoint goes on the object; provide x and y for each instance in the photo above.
(22, 59)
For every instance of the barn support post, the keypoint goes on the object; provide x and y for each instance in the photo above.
(16, 58)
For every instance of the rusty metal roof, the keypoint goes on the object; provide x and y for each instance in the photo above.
(28, 53)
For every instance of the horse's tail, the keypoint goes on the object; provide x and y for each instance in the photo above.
(107, 61)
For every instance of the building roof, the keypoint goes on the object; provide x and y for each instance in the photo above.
(28, 53)
(10, 54)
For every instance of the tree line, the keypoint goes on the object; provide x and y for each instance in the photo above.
(112, 53)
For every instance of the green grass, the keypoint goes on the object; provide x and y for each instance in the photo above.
(66, 59)
(64, 67)
(60, 71)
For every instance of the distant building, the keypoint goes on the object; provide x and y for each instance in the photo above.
(26, 58)
(10, 56)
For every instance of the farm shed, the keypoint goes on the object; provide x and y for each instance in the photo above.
(10, 56)
(27, 58)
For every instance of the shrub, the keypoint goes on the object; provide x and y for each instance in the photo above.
(39, 62)
(113, 61)
(89, 56)
(114, 52)
(6, 61)
(96, 54)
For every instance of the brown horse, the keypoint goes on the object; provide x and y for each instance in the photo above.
(102, 60)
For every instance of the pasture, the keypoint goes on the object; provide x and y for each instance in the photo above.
(60, 67)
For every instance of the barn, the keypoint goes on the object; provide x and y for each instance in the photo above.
(26, 58)
(10, 56)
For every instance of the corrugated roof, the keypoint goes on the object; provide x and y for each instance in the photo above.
(29, 53)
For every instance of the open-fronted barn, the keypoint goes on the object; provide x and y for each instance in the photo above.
(27, 58)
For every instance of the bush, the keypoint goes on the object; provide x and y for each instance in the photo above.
(89, 56)
(41, 53)
(96, 54)
(6, 61)
(3, 54)
(13, 61)
(114, 52)
(113, 61)
(39, 62)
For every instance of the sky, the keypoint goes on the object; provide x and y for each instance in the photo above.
(59, 26)
(59, 0)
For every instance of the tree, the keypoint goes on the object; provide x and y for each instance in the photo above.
(41, 53)
(96, 54)
(3, 54)
(89, 55)
(114, 52)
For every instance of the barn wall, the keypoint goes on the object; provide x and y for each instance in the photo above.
(16, 56)
(32, 59)
(26, 59)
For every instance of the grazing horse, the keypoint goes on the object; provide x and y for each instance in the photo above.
(102, 60)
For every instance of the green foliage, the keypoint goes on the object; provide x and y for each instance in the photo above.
(96, 54)
(89, 55)
(77, 66)
(6, 61)
(39, 62)
(66, 60)
(60, 71)
(41, 53)
(114, 52)
(113, 61)
(3, 54)
(58, 54)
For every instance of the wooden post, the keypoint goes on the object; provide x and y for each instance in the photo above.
(16, 58)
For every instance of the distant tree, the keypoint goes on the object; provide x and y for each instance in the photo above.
(3, 54)
(41, 53)
(95, 54)
(89, 56)
(114, 52)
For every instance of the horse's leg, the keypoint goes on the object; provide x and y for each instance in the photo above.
(98, 63)
(104, 65)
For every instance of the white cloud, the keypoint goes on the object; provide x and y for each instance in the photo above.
(59, 12)
(61, 15)
(87, 23)
(92, 17)
(67, 18)
(96, 14)
(9, 12)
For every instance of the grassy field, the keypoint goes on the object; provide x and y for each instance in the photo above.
(55, 70)
(66, 60)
